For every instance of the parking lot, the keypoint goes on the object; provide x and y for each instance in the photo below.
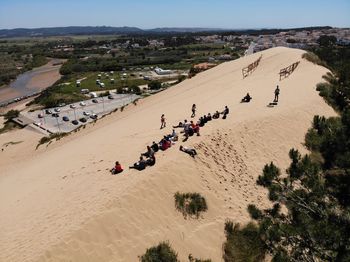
(62, 119)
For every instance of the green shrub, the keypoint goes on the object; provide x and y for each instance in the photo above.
(11, 114)
(161, 253)
(135, 89)
(181, 78)
(243, 244)
(8, 126)
(190, 204)
(155, 85)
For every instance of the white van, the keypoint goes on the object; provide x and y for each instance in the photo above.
(93, 95)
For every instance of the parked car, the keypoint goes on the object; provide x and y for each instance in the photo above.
(55, 115)
(61, 104)
(75, 122)
(40, 115)
(83, 120)
(48, 111)
(72, 106)
(94, 100)
(93, 116)
(110, 97)
(85, 113)
(82, 103)
(57, 110)
(65, 118)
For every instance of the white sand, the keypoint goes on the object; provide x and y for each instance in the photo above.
(61, 203)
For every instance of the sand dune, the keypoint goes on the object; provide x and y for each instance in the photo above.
(61, 203)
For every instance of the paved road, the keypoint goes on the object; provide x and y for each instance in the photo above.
(56, 124)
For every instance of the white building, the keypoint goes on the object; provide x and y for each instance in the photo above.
(160, 71)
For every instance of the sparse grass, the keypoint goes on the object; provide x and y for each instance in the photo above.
(192, 259)
(11, 143)
(190, 204)
(47, 139)
(161, 253)
(313, 58)
(243, 244)
(8, 126)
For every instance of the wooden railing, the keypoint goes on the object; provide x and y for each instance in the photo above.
(246, 71)
(287, 71)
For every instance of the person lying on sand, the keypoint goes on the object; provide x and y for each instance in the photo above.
(179, 125)
(155, 147)
(246, 99)
(192, 152)
(140, 165)
(117, 168)
(149, 152)
(151, 161)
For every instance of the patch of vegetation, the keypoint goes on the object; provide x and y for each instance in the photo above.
(155, 85)
(11, 115)
(243, 243)
(190, 204)
(11, 143)
(192, 259)
(52, 97)
(313, 58)
(160, 253)
(47, 139)
(8, 124)
(314, 192)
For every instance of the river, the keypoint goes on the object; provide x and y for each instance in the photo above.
(32, 81)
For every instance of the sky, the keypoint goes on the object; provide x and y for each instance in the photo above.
(146, 14)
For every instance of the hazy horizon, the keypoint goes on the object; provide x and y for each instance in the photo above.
(221, 14)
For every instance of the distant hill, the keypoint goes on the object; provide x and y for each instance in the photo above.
(110, 30)
(70, 30)
(184, 30)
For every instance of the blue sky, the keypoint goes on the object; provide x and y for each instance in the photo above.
(145, 14)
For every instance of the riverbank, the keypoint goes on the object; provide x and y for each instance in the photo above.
(33, 81)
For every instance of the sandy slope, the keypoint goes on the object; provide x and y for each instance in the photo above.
(62, 205)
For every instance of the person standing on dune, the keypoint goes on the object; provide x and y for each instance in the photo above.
(277, 93)
(193, 110)
(162, 121)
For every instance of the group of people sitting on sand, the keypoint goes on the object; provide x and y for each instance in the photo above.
(189, 129)
(148, 158)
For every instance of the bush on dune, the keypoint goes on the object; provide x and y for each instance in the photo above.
(160, 253)
(190, 204)
(243, 243)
